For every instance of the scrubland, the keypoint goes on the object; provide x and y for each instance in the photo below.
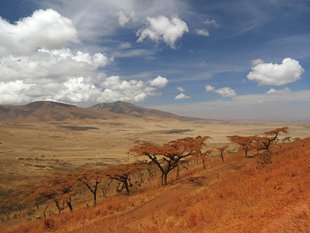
(238, 195)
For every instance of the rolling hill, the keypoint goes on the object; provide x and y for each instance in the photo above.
(124, 108)
(53, 111)
(45, 111)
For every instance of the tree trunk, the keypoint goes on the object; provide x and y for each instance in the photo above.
(126, 186)
(95, 198)
(58, 207)
(204, 163)
(162, 179)
(69, 205)
(222, 156)
(104, 193)
(165, 179)
(246, 152)
(45, 209)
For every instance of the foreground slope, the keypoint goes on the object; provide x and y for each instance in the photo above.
(239, 195)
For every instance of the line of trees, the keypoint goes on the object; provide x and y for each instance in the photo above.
(169, 156)
(259, 143)
(60, 188)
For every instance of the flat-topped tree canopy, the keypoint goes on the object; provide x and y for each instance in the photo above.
(264, 142)
(168, 156)
(277, 131)
(243, 141)
(91, 179)
(56, 188)
(122, 173)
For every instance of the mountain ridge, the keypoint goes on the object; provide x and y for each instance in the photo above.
(124, 108)
(45, 111)
(56, 111)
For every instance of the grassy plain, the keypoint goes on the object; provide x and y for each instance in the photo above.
(31, 150)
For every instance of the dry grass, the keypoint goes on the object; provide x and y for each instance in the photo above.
(248, 200)
(247, 197)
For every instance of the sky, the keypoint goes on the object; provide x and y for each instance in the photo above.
(224, 60)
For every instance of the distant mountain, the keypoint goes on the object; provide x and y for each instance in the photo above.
(125, 108)
(53, 111)
(45, 111)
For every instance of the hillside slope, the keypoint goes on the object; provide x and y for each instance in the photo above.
(53, 111)
(124, 108)
(45, 111)
(239, 195)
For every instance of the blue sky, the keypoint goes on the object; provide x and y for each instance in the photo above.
(228, 60)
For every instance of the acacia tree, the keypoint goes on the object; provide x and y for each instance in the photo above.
(200, 144)
(122, 174)
(199, 155)
(43, 192)
(168, 156)
(64, 186)
(91, 179)
(243, 142)
(37, 195)
(264, 142)
(203, 158)
(221, 150)
(57, 188)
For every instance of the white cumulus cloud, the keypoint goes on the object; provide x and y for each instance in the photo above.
(159, 82)
(202, 32)
(181, 89)
(181, 96)
(50, 64)
(163, 28)
(37, 64)
(209, 88)
(211, 22)
(97, 19)
(133, 90)
(15, 92)
(44, 29)
(224, 91)
(256, 62)
(122, 18)
(276, 74)
(282, 91)
(77, 90)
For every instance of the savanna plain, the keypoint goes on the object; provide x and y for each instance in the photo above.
(232, 193)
